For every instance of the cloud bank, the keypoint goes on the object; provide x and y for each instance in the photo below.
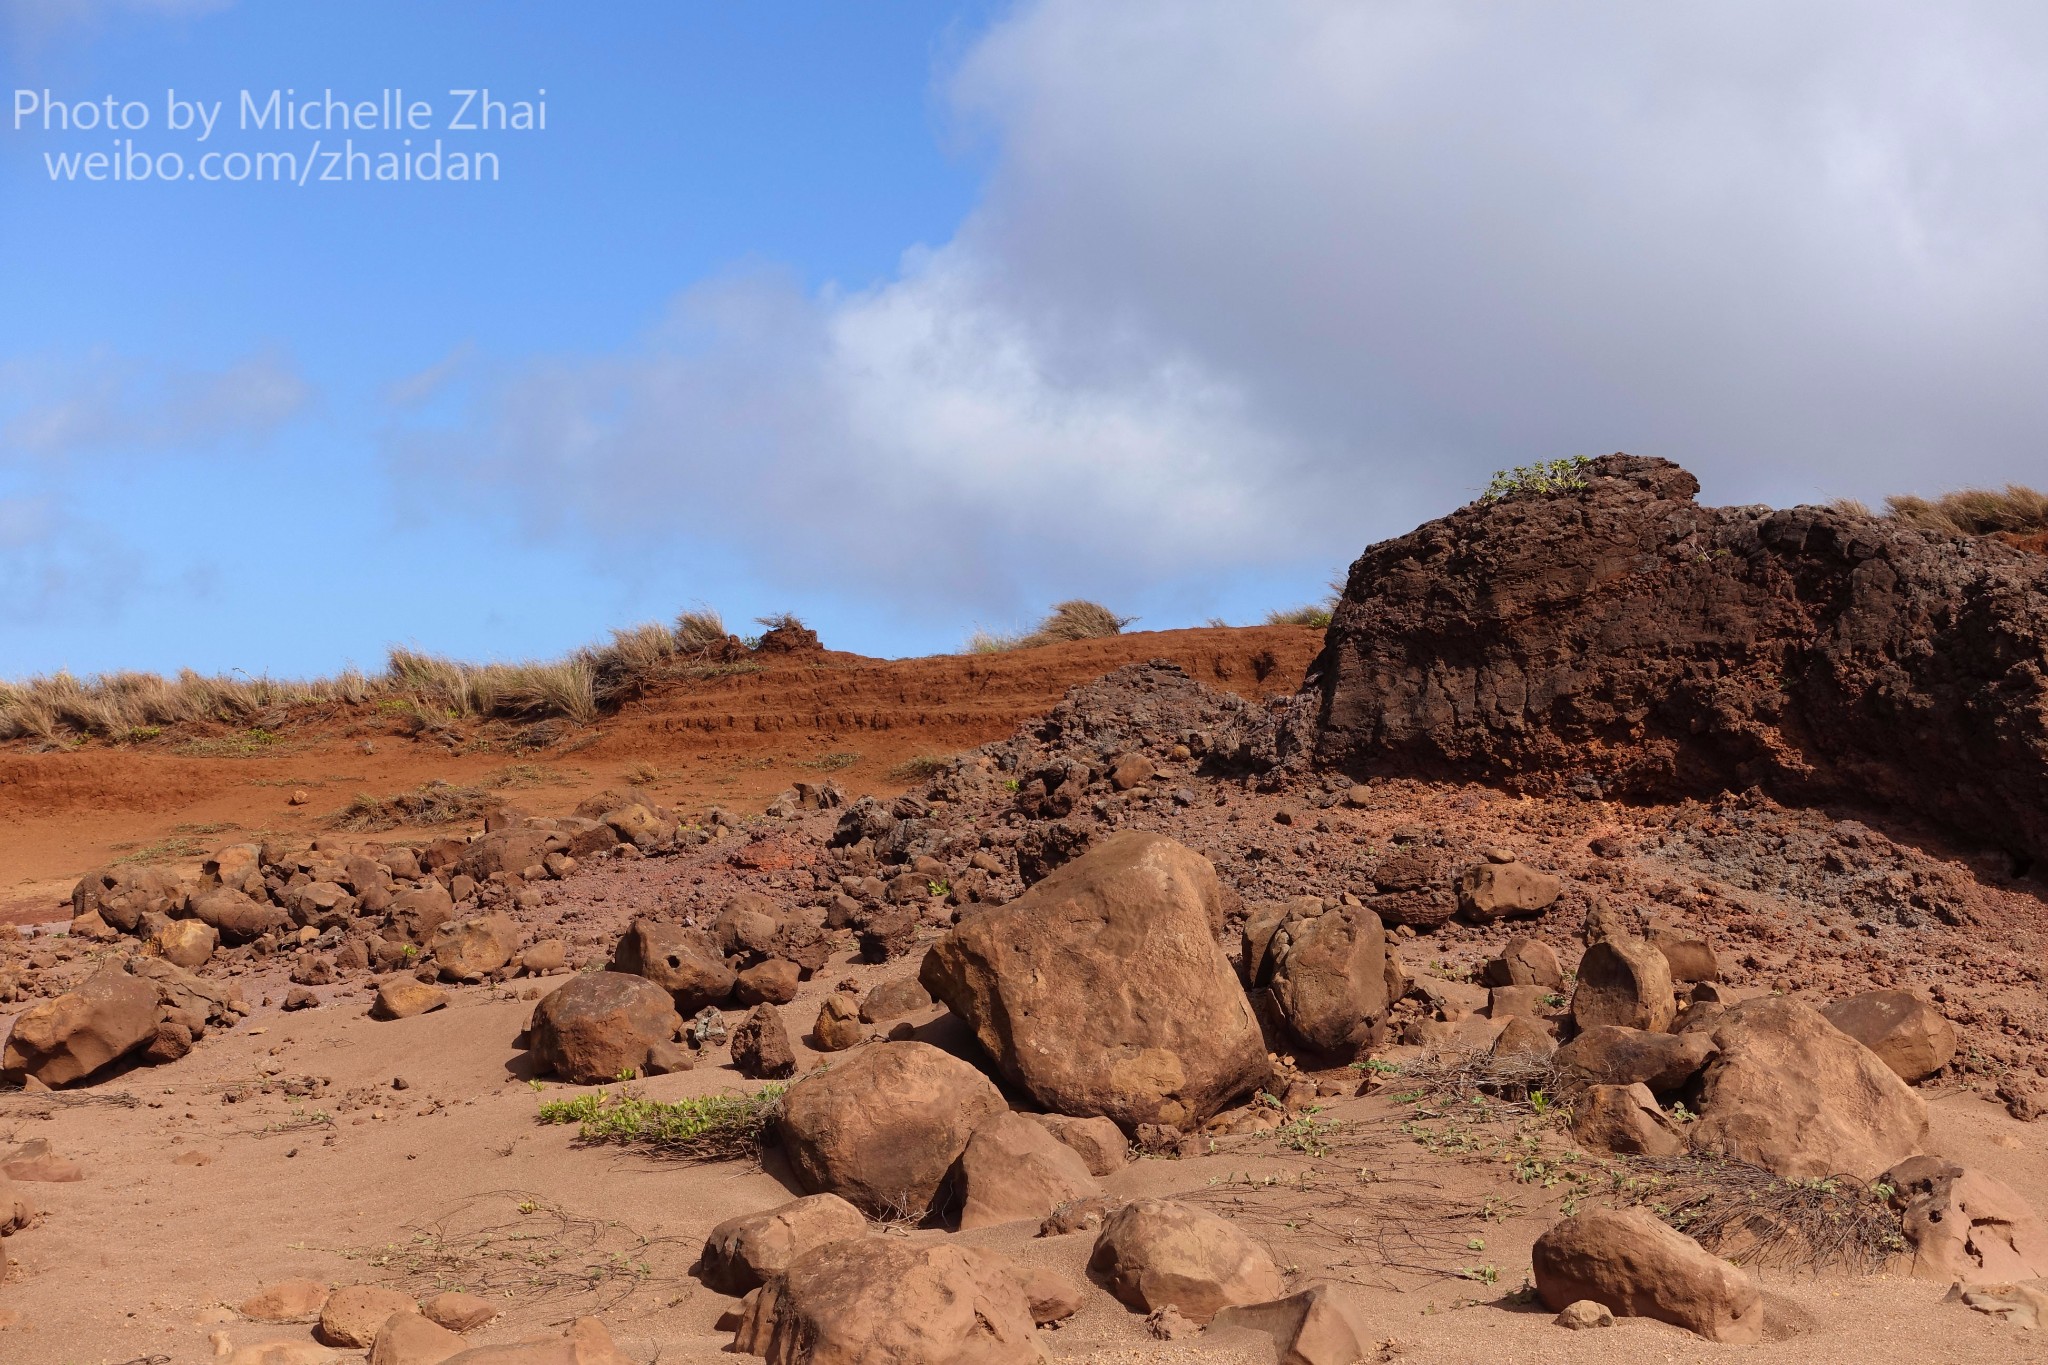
(1253, 285)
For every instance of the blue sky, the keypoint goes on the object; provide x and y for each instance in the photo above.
(917, 317)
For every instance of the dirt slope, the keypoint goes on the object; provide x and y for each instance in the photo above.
(736, 739)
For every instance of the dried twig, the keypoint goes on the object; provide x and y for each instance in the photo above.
(1754, 1217)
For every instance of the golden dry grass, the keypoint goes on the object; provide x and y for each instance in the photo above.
(61, 707)
(1967, 511)
(1071, 620)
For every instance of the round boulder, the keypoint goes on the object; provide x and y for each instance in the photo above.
(1156, 1253)
(600, 1025)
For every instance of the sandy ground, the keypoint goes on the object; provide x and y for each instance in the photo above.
(360, 1181)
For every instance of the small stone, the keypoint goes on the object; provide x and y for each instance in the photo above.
(1583, 1313)
(285, 1301)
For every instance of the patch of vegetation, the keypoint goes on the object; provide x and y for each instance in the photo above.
(1077, 619)
(1545, 476)
(920, 768)
(2014, 510)
(701, 1128)
(833, 762)
(165, 850)
(434, 803)
(1316, 616)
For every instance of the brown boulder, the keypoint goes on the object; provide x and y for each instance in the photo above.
(354, 1313)
(236, 917)
(1493, 891)
(1013, 1169)
(1792, 1093)
(871, 1300)
(1906, 1032)
(186, 943)
(1525, 961)
(421, 910)
(1609, 1054)
(760, 1045)
(1624, 1119)
(1156, 1253)
(1100, 1144)
(601, 1025)
(122, 896)
(1963, 1225)
(752, 928)
(884, 1127)
(1640, 1268)
(1689, 956)
(1101, 991)
(745, 1252)
(1624, 981)
(68, 1039)
(1305, 1328)
(459, 1312)
(894, 999)
(839, 1026)
(1523, 1037)
(1326, 970)
(683, 961)
(406, 1338)
(285, 1301)
(772, 982)
(472, 949)
(403, 997)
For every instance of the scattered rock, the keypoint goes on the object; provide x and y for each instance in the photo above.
(353, 1314)
(1609, 1054)
(1583, 1314)
(1906, 1032)
(472, 949)
(1624, 1119)
(884, 1127)
(760, 1045)
(683, 961)
(744, 1253)
(1964, 1225)
(1639, 1268)
(873, 1299)
(1624, 981)
(587, 1343)
(285, 1301)
(68, 1039)
(1101, 1145)
(1101, 991)
(188, 943)
(1153, 1253)
(774, 982)
(839, 1026)
(895, 999)
(1792, 1093)
(37, 1162)
(407, 1338)
(2016, 1305)
(1525, 961)
(600, 1024)
(403, 997)
(1493, 891)
(1309, 1327)
(1013, 1169)
(1326, 971)
(459, 1312)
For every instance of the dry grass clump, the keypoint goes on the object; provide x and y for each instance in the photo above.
(1317, 616)
(138, 706)
(579, 687)
(434, 803)
(1072, 620)
(2016, 509)
(1754, 1217)
(1975, 511)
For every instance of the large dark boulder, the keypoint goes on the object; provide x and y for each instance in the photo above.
(1618, 638)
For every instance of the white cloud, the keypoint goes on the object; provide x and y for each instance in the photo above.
(1256, 284)
(52, 407)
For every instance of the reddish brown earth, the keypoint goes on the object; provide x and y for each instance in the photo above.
(408, 1153)
(735, 739)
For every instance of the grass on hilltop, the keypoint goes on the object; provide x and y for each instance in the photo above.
(1076, 619)
(2014, 509)
(138, 707)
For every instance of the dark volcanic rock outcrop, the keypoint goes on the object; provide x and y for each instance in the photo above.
(1620, 639)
